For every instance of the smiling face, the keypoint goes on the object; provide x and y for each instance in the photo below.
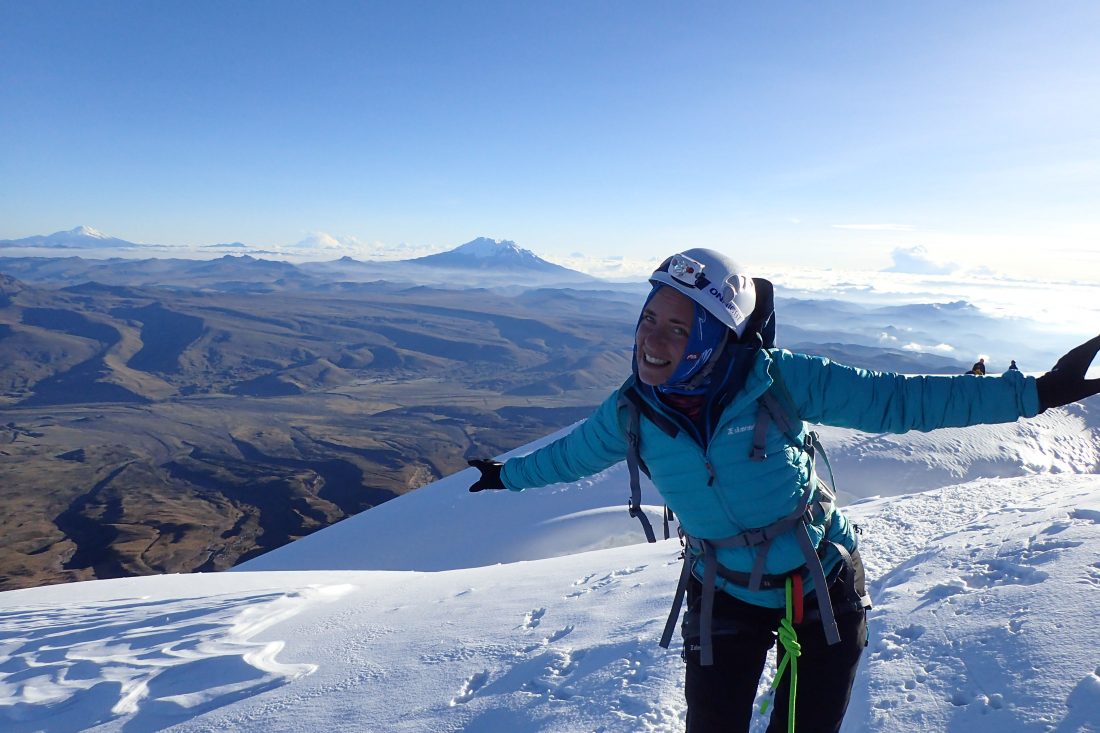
(663, 334)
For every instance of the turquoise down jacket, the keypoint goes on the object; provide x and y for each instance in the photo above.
(717, 491)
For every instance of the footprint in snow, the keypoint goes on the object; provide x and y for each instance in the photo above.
(533, 618)
(560, 634)
(1003, 572)
(607, 580)
(554, 681)
(1086, 515)
(1092, 574)
(470, 687)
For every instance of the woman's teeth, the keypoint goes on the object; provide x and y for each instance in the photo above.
(655, 361)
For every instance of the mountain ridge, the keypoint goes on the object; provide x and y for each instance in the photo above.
(86, 237)
(499, 261)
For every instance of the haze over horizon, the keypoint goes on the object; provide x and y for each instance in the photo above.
(1070, 306)
(824, 137)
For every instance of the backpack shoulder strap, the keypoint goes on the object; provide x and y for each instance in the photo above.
(635, 406)
(779, 388)
(775, 405)
(632, 400)
(778, 405)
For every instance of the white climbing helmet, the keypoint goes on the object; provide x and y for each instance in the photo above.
(712, 280)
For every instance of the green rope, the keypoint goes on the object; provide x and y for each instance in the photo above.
(788, 638)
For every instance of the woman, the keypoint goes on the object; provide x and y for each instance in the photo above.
(719, 430)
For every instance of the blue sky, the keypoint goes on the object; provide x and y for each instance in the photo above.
(825, 134)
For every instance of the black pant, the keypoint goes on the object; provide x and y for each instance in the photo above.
(720, 697)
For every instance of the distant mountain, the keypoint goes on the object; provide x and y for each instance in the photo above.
(882, 359)
(227, 273)
(227, 245)
(483, 262)
(9, 288)
(9, 285)
(490, 254)
(83, 237)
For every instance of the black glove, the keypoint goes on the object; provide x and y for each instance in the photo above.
(490, 474)
(1066, 382)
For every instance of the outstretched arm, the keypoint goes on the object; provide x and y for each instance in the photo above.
(1066, 382)
(594, 445)
(834, 394)
(828, 393)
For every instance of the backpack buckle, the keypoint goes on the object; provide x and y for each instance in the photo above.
(754, 537)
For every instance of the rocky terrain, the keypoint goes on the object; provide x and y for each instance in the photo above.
(150, 430)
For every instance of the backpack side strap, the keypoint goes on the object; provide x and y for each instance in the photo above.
(633, 461)
(632, 402)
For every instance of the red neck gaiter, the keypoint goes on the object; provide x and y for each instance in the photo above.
(689, 405)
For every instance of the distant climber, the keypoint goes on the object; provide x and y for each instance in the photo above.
(979, 367)
(1013, 366)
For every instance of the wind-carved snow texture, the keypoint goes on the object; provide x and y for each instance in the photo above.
(142, 659)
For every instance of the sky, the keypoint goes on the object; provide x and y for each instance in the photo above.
(820, 134)
(539, 612)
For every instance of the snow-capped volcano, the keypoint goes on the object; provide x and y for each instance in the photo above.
(485, 247)
(484, 253)
(82, 237)
(82, 231)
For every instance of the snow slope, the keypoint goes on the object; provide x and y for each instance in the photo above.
(540, 611)
(985, 616)
(433, 528)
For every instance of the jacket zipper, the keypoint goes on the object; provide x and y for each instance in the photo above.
(703, 441)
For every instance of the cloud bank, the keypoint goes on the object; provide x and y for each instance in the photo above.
(919, 261)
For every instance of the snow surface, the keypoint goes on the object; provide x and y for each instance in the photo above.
(443, 610)
(485, 247)
(84, 231)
